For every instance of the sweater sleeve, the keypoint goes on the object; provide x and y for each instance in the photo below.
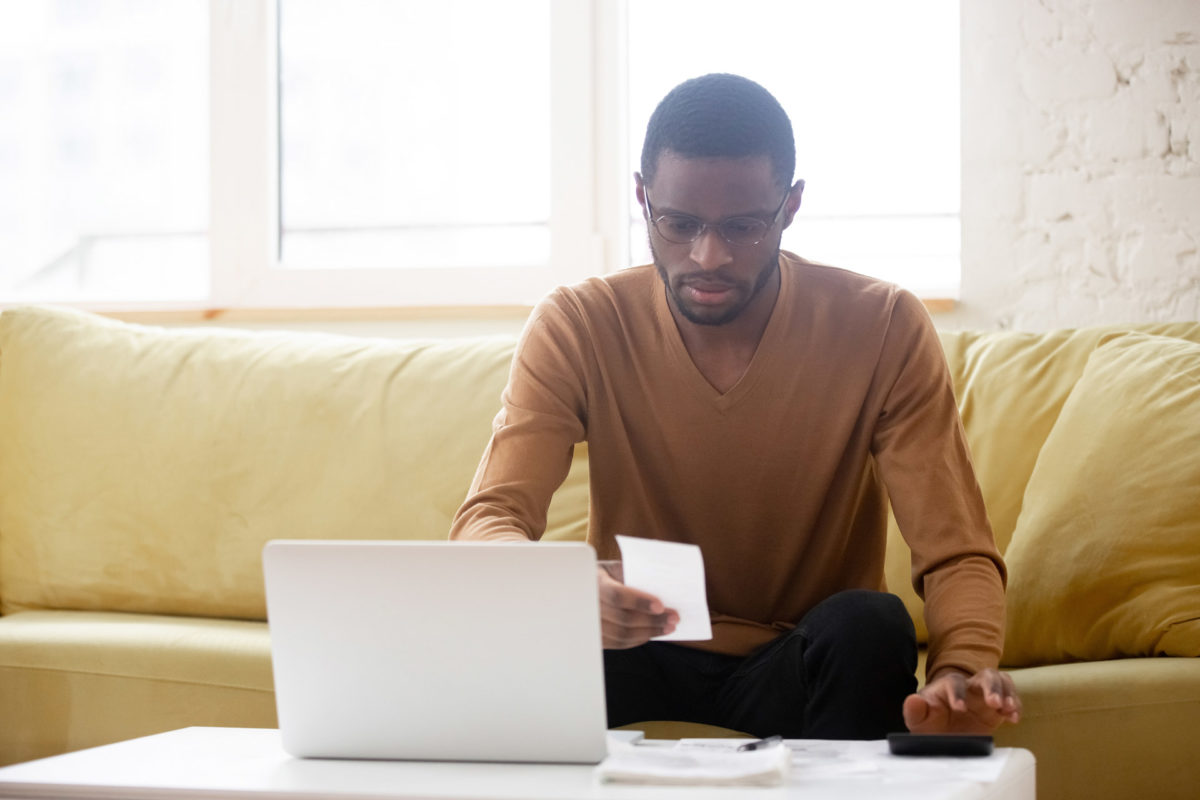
(542, 417)
(922, 453)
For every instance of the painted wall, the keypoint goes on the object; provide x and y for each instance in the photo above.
(1081, 163)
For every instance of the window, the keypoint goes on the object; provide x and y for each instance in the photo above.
(104, 150)
(399, 150)
(872, 88)
(281, 153)
(389, 175)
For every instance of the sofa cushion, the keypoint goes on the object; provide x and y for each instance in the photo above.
(1010, 387)
(73, 679)
(143, 469)
(1110, 729)
(1105, 558)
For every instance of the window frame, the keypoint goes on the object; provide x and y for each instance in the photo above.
(590, 229)
(246, 270)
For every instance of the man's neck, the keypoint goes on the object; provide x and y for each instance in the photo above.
(723, 353)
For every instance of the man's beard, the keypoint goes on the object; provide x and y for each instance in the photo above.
(696, 316)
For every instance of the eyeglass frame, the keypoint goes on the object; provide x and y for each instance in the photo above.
(716, 226)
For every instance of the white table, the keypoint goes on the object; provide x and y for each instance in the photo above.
(221, 763)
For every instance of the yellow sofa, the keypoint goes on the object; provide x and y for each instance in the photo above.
(142, 470)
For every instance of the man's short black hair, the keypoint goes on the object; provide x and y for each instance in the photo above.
(721, 116)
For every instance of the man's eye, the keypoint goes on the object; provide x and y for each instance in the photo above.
(742, 226)
(680, 226)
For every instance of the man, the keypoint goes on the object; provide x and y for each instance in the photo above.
(755, 404)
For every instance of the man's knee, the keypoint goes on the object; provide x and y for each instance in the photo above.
(863, 620)
(864, 606)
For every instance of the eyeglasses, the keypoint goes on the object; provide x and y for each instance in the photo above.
(737, 231)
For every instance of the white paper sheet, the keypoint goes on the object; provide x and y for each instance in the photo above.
(816, 758)
(674, 573)
(696, 766)
(819, 759)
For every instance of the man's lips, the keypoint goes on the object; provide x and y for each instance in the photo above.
(708, 292)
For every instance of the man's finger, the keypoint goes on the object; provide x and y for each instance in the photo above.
(614, 593)
(999, 692)
(993, 692)
(916, 710)
(1011, 707)
(956, 694)
(619, 637)
(949, 691)
(627, 618)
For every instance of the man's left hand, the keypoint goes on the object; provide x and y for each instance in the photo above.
(953, 702)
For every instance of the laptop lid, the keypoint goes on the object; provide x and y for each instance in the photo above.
(457, 651)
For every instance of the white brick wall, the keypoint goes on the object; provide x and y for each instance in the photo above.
(1081, 163)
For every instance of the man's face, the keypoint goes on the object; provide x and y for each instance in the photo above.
(711, 281)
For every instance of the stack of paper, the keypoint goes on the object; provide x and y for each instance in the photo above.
(694, 765)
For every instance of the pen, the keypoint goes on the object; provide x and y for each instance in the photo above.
(761, 743)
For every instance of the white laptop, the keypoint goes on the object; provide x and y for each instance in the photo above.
(447, 651)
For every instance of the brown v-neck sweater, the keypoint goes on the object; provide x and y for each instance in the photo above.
(779, 480)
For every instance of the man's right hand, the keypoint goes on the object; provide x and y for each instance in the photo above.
(629, 617)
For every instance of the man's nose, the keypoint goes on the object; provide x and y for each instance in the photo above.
(710, 251)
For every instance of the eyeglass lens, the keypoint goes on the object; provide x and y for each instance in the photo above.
(682, 229)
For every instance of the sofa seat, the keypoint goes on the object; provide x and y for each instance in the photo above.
(80, 678)
(1129, 720)
(98, 677)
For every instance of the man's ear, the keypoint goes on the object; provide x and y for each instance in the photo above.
(795, 194)
(640, 191)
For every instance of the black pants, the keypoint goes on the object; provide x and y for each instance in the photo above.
(842, 673)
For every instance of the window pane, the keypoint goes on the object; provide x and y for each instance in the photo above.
(872, 89)
(104, 149)
(415, 134)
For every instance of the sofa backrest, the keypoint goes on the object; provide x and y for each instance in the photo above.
(143, 469)
(1010, 388)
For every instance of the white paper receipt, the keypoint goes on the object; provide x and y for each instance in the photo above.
(674, 573)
